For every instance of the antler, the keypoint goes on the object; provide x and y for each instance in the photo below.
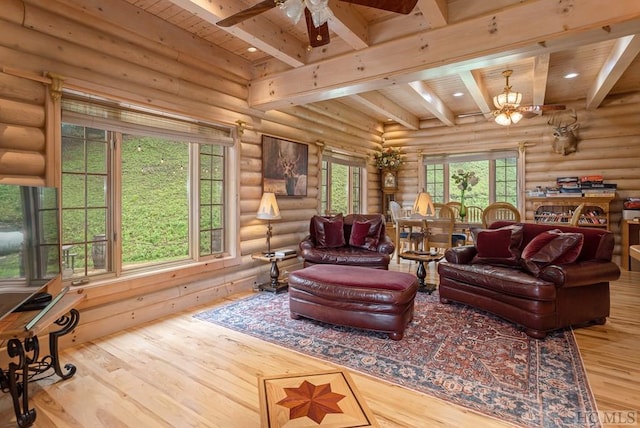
(557, 123)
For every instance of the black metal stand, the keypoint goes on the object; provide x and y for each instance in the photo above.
(274, 286)
(16, 378)
(421, 273)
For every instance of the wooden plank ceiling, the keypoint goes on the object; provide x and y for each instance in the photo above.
(444, 60)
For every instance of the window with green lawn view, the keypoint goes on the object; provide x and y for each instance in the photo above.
(497, 174)
(140, 188)
(341, 187)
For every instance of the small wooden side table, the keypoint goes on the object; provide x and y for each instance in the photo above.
(422, 257)
(275, 285)
(24, 346)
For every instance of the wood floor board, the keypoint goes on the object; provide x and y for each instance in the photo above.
(182, 372)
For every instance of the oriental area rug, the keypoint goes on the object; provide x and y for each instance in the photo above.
(453, 352)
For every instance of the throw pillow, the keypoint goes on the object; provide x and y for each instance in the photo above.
(498, 246)
(371, 236)
(551, 247)
(359, 232)
(329, 231)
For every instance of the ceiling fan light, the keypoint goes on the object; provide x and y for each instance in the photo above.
(293, 9)
(515, 117)
(514, 98)
(503, 119)
(320, 11)
(507, 98)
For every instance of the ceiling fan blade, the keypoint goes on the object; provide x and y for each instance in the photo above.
(536, 110)
(259, 8)
(473, 114)
(399, 6)
(318, 36)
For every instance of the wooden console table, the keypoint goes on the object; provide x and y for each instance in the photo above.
(23, 346)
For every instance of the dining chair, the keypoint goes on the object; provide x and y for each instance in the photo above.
(440, 232)
(499, 211)
(455, 207)
(474, 215)
(405, 235)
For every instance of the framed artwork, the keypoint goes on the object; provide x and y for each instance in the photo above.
(284, 166)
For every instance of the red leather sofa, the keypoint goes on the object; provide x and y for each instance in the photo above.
(551, 296)
(326, 244)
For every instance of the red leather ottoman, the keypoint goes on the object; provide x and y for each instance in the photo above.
(354, 296)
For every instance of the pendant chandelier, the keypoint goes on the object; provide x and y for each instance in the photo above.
(320, 11)
(507, 104)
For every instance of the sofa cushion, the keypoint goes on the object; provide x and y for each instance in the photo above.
(498, 246)
(329, 231)
(366, 233)
(551, 247)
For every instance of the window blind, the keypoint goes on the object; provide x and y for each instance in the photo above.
(106, 114)
(344, 159)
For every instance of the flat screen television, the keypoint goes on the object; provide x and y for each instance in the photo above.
(29, 243)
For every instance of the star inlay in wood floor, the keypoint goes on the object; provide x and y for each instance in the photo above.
(311, 400)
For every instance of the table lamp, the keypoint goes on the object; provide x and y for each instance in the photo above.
(268, 210)
(424, 205)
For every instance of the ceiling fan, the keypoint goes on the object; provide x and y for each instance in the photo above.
(509, 111)
(316, 13)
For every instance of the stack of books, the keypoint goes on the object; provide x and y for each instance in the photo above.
(569, 186)
(594, 186)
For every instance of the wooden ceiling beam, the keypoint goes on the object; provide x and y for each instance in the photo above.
(540, 77)
(349, 25)
(477, 89)
(386, 107)
(435, 12)
(433, 103)
(620, 57)
(257, 31)
(442, 51)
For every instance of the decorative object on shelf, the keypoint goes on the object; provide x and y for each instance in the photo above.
(388, 159)
(268, 210)
(424, 204)
(465, 180)
(284, 166)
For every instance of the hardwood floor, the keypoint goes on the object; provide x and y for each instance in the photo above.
(182, 372)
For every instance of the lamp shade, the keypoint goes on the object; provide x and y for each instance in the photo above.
(424, 205)
(268, 209)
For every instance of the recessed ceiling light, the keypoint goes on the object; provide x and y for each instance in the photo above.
(458, 94)
(570, 75)
(252, 49)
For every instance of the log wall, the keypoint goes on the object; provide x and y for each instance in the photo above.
(609, 145)
(146, 61)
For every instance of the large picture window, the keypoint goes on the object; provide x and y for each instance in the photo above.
(497, 173)
(341, 186)
(139, 187)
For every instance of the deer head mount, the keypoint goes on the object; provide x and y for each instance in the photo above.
(565, 135)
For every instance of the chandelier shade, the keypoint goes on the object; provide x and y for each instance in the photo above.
(507, 104)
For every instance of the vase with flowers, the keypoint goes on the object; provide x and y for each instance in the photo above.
(465, 180)
(389, 159)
